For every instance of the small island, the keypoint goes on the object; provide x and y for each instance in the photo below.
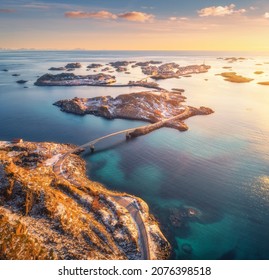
(264, 83)
(61, 68)
(70, 79)
(234, 77)
(173, 70)
(153, 107)
(258, 72)
(21, 81)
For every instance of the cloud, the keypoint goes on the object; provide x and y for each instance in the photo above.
(36, 6)
(220, 11)
(266, 15)
(129, 16)
(96, 15)
(147, 7)
(178, 18)
(136, 16)
(7, 11)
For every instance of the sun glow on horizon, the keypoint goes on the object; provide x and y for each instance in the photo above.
(60, 26)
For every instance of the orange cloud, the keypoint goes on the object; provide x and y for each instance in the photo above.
(136, 16)
(220, 11)
(130, 16)
(96, 15)
(266, 15)
(7, 11)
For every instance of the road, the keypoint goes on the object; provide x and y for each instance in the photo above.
(129, 203)
(130, 130)
(132, 207)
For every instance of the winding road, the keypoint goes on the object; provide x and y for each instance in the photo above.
(129, 203)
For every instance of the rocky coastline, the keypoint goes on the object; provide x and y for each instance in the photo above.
(50, 210)
(70, 79)
(173, 70)
(149, 106)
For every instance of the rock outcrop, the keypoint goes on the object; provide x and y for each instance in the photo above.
(73, 65)
(49, 209)
(70, 79)
(173, 70)
(21, 81)
(57, 68)
(94, 65)
(148, 106)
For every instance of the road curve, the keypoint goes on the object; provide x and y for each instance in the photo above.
(125, 201)
(129, 203)
(136, 215)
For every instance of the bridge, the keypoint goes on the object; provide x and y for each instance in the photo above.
(129, 203)
(137, 131)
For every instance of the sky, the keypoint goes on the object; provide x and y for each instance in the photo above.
(135, 24)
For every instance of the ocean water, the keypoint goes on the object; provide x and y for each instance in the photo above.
(220, 166)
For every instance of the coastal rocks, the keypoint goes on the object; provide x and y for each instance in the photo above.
(179, 216)
(258, 72)
(50, 210)
(148, 106)
(120, 63)
(121, 66)
(70, 79)
(21, 81)
(94, 65)
(155, 62)
(73, 65)
(105, 69)
(147, 63)
(235, 78)
(173, 70)
(263, 83)
(180, 90)
(232, 59)
(121, 69)
(57, 68)
(164, 75)
(145, 84)
(150, 70)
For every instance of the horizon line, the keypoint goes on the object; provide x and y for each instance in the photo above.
(133, 50)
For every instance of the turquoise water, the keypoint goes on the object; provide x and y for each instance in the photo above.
(220, 166)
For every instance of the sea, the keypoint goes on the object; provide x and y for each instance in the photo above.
(219, 167)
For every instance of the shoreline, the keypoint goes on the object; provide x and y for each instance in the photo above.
(61, 176)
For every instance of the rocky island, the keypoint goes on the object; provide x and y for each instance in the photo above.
(151, 106)
(173, 70)
(264, 83)
(61, 68)
(49, 209)
(235, 78)
(70, 79)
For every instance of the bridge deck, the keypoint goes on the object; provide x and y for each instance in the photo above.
(157, 124)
